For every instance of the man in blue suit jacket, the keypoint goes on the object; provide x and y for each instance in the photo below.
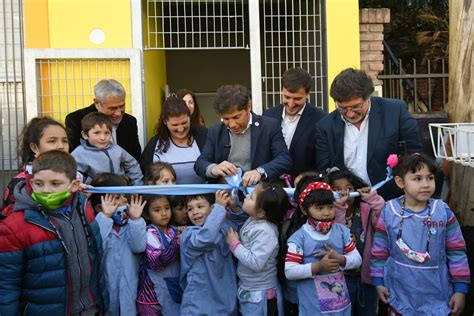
(363, 131)
(242, 140)
(298, 119)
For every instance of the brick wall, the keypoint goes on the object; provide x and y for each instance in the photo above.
(371, 23)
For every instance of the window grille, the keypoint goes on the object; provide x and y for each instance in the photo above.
(65, 85)
(12, 116)
(293, 36)
(201, 24)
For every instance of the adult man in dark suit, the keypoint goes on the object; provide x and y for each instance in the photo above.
(298, 119)
(110, 100)
(242, 139)
(363, 131)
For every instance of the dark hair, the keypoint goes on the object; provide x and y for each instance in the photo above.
(149, 198)
(345, 173)
(306, 178)
(196, 115)
(274, 201)
(413, 163)
(317, 198)
(298, 217)
(172, 107)
(208, 197)
(153, 172)
(177, 200)
(31, 134)
(95, 118)
(230, 97)
(295, 78)
(351, 83)
(56, 161)
(105, 179)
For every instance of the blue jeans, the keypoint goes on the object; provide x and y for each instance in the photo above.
(363, 297)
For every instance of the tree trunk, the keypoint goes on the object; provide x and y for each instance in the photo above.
(461, 100)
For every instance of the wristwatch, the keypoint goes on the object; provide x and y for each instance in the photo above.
(261, 171)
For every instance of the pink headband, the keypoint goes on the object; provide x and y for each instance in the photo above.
(313, 186)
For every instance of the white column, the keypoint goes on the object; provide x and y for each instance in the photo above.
(255, 59)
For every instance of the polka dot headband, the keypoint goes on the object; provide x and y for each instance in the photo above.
(313, 186)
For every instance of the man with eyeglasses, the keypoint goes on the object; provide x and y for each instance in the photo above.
(364, 130)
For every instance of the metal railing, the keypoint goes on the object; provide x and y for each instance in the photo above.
(293, 36)
(454, 142)
(202, 24)
(423, 86)
(12, 105)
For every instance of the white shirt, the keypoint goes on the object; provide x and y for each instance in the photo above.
(182, 159)
(355, 147)
(114, 134)
(288, 125)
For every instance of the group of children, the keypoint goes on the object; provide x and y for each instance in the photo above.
(66, 252)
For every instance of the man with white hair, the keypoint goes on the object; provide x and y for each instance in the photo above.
(109, 98)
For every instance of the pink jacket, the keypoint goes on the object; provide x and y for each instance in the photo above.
(376, 203)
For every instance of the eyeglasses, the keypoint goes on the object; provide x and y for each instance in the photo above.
(356, 108)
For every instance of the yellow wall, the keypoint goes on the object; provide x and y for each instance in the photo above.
(36, 23)
(68, 23)
(343, 49)
(155, 76)
(155, 82)
(65, 85)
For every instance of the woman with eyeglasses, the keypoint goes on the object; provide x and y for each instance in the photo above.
(178, 141)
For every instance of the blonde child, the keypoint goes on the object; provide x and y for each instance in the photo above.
(419, 263)
(159, 291)
(256, 251)
(318, 253)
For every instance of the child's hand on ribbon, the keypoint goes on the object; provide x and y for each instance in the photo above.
(364, 192)
(135, 209)
(342, 200)
(223, 197)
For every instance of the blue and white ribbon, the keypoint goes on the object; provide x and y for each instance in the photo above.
(234, 184)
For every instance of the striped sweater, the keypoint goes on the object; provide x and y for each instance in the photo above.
(156, 257)
(455, 248)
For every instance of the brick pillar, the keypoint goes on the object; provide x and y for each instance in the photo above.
(371, 23)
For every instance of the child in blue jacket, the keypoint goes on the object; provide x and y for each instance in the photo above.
(50, 246)
(208, 275)
(123, 231)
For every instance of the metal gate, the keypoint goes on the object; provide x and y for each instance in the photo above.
(294, 37)
(12, 108)
(290, 34)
